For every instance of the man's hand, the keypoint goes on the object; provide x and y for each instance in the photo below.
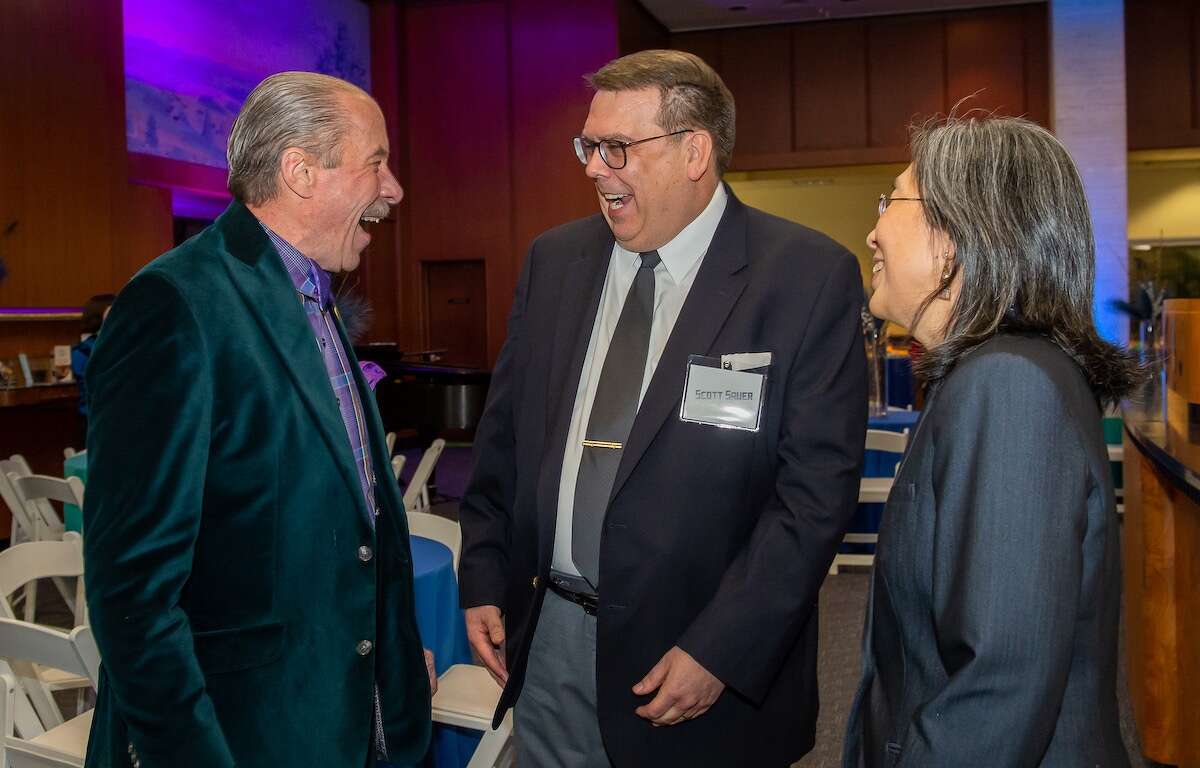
(431, 671)
(485, 631)
(685, 689)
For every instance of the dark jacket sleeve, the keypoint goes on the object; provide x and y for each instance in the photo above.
(151, 412)
(1011, 481)
(768, 593)
(485, 511)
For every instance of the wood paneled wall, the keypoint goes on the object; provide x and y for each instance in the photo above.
(843, 92)
(482, 97)
(80, 227)
(1162, 70)
(489, 94)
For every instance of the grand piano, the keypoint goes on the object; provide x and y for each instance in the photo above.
(423, 398)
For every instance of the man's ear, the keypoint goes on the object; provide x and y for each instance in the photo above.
(699, 153)
(298, 171)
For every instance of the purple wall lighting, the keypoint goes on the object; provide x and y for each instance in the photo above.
(189, 64)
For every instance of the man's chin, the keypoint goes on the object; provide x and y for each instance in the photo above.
(351, 261)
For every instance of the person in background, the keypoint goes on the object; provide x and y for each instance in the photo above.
(991, 629)
(249, 578)
(643, 578)
(94, 312)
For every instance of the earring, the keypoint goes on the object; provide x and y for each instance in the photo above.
(946, 275)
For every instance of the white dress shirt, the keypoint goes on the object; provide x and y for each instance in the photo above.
(673, 278)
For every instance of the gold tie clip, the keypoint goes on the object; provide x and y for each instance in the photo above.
(602, 444)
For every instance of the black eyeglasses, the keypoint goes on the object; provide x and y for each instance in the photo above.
(612, 152)
(885, 201)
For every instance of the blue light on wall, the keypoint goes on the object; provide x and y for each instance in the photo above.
(189, 64)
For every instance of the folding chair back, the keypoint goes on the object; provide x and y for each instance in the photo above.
(416, 496)
(23, 645)
(37, 491)
(887, 441)
(23, 528)
(22, 565)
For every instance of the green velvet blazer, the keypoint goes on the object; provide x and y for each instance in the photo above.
(232, 570)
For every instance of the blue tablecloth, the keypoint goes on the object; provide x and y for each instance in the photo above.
(443, 632)
(879, 464)
(75, 466)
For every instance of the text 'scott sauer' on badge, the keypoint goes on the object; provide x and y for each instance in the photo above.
(726, 391)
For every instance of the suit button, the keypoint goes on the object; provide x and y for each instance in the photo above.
(534, 582)
(364, 647)
(365, 554)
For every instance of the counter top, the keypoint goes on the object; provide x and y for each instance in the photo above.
(37, 395)
(1173, 453)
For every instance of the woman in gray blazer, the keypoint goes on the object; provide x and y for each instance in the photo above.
(991, 631)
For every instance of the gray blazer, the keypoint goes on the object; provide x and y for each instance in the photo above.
(991, 631)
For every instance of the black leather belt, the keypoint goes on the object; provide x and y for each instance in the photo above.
(564, 588)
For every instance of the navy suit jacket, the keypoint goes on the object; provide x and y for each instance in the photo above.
(991, 634)
(715, 540)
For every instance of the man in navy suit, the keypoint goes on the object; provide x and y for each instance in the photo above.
(670, 452)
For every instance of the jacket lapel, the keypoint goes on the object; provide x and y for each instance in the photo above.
(259, 276)
(719, 284)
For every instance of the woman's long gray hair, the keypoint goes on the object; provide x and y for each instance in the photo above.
(1007, 194)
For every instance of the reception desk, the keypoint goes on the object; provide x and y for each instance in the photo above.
(1161, 547)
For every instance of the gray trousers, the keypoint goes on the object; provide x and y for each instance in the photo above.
(555, 725)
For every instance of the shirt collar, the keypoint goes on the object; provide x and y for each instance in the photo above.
(309, 279)
(680, 255)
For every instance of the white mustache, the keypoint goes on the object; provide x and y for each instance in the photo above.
(379, 209)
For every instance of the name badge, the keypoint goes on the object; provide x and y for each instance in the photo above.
(716, 394)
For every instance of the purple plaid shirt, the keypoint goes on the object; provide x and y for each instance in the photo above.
(312, 283)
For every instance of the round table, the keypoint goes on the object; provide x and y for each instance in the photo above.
(440, 622)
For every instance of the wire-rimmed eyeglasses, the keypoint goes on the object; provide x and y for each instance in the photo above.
(612, 151)
(885, 201)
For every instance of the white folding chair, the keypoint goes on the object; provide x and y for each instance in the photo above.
(22, 527)
(62, 746)
(37, 492)
(23, 564)
(871, 490)
(397, 466)
(438, 528)
(416, 495)
(466, 698)
(390, 439)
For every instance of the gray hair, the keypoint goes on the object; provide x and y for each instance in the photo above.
(693, 94)
(1007, 194)
(290, 109)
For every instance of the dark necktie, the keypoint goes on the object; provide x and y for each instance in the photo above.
(611, 419)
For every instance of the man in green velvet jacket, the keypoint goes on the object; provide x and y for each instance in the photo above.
(248, 568)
